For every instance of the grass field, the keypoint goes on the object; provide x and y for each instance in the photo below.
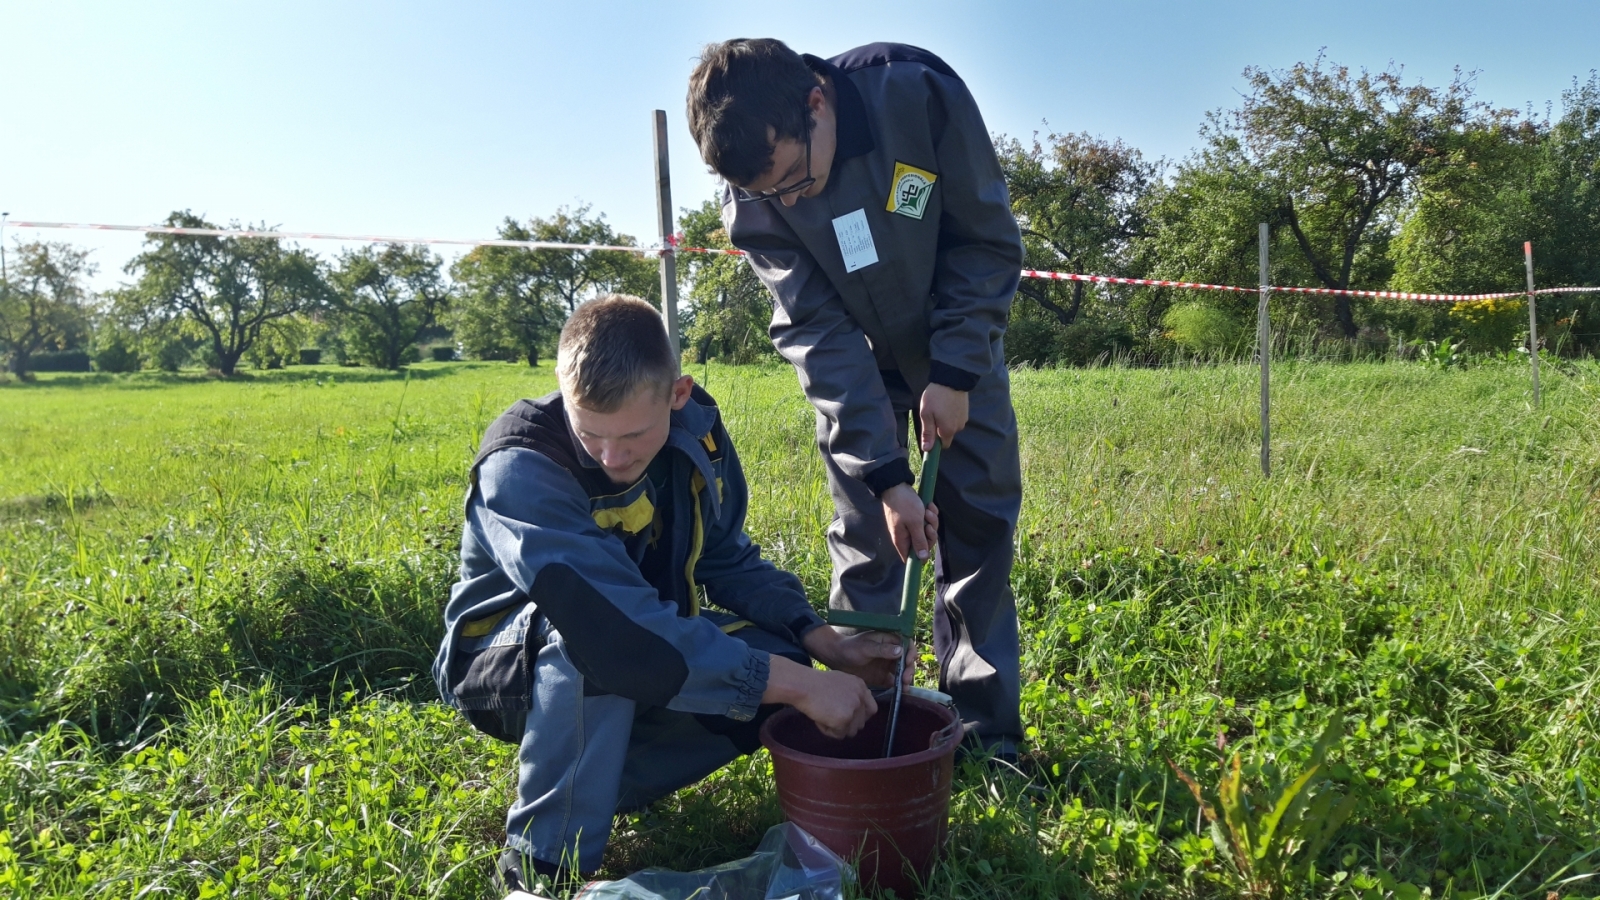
(219, 600)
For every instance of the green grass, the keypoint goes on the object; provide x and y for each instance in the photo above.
(219, 600)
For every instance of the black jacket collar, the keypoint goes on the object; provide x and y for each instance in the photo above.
(855, 135)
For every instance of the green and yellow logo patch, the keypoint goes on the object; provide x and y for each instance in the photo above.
(909, 193)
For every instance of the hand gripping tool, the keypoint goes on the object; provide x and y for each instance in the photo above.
(903, 623)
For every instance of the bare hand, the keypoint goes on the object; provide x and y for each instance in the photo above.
(838, 702)
(902, 509)
(869, 655)
(944, 413)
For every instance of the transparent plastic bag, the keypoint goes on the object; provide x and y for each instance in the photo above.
(789, 865)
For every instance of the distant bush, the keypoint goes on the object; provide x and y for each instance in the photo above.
(1089, 341)
(444, 353)
(1203, 330)
(60, 361)
(116, 354)
(310, 356)
(1037, 341)
(1031, 341)
(171, 355)
(1575, 330)
(334, 350)
(1490, 326)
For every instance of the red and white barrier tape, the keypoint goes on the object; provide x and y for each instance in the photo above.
(1384, 295)
(674, 243)
(318, 236)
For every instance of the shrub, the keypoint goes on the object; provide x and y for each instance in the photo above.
(1030, 342)
(1204, 330)
(1567, 326)
(1490, 326)
(310, 356)
(116, 355)
(1088, 341)
(444, 353)
(60, 361)
(171, 355)
(334, 349)
(1036, 341)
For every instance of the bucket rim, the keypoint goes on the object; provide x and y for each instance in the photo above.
(937, 750)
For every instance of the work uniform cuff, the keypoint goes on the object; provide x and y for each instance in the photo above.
(804, 624)
(895, 471)
(758, 670)
(952, 377)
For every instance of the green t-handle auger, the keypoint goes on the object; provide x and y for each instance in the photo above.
(905, 622)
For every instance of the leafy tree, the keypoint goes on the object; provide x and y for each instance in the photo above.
(116, 351)
(576, 276)
(1081, 203)
(506, 309)
(1204, 221)
(1566, 191)
(43, 302)
(729, 308)
(128, 319)
(1465, 230)
(118, 347)
(514, 300)
(1565, 248)
(1204, 227)
(1339, 154)
(281, 340)
(1513, 180)
(387, 298)
(227, 290)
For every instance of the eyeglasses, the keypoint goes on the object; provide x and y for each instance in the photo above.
(744, 196)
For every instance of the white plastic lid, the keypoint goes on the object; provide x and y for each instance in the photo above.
(930, 694)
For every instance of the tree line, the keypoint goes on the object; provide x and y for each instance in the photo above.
(223, 302)
(1366, 181)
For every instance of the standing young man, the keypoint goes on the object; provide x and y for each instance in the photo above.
(866, 191)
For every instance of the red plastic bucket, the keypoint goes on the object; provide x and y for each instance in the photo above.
(890, 815)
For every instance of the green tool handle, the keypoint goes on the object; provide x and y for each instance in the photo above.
(913, 586)
(904, 623)
(908, 600)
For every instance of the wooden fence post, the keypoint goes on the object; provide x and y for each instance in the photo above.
(669, 258)
(1533, 320)
(1264, 349)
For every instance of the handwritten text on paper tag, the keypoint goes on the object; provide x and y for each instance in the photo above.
(855, 240)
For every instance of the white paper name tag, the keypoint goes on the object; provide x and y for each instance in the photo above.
(855, 240)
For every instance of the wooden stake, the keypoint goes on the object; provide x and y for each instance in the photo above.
(1264, 349)
(1533, 320)
(669, 259)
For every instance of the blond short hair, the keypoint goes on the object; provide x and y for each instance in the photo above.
(610, 347)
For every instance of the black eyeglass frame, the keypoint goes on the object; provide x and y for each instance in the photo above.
(744, 196)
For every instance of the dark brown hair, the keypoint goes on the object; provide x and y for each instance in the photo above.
(740, 89)
(611, 346)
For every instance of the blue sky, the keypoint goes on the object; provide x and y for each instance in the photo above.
(433, 119)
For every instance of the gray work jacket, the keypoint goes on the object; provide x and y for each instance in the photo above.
(913, 155)
(548, 535)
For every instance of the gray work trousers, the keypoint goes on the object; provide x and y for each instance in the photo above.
(585, 758)
(979, 495)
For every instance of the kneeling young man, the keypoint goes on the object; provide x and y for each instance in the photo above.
(596, 518)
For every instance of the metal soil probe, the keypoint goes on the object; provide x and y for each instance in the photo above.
(905, 622)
